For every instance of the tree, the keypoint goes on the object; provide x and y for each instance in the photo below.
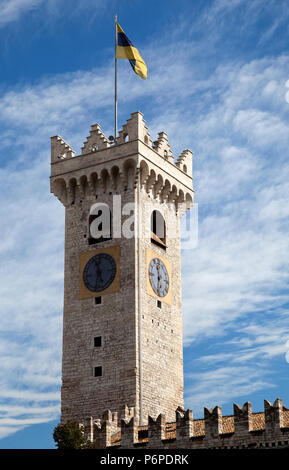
(69, 436)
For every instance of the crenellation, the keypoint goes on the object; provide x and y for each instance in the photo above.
(60, 150)
(156, 430)
(274, 416)
(213, 423)
(161, 145)
(129, 431)
(103, 433)
(134, 129)
(185, 162)
(184, 425)
(220, 432)
(95, 141)
(88, 428)
(243, 420)
(114, 168)
(127, 413)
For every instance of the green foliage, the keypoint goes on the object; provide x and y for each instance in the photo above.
(69, 436)
(90, 445)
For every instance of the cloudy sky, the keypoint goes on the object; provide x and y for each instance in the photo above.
(218, 83)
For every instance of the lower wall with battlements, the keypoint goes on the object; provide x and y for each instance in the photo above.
(243, 429)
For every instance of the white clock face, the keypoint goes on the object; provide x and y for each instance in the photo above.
(159, 277)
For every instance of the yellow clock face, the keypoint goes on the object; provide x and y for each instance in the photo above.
(99, 272)
(158, 277)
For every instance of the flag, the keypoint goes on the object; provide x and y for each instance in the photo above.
(126, 50)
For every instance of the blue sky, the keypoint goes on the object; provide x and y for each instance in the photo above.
(217, 84)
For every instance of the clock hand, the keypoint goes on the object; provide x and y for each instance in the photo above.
(159, 279)
(98, 273)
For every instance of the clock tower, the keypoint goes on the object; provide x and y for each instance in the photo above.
(122, 321)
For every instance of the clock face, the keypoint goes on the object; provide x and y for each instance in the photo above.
(159, 277)
(99, 272)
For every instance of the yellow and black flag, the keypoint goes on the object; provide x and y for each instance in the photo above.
(126, 50)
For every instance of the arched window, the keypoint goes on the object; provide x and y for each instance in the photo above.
(99, 223)
(158, 229)
(185, 168)
(165, 153)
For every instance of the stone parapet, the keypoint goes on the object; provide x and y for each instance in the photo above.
(244, 429)
(106, 166)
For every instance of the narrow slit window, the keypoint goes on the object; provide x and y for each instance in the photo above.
(97, 341)
(98, 371)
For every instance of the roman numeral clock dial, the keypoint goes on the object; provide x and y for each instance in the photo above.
(159, 277)
(99, 272)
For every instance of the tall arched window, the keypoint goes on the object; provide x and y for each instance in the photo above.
(158, 229)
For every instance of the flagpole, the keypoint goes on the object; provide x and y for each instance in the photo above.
(115, 83)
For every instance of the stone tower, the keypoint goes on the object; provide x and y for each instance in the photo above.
(122, 324)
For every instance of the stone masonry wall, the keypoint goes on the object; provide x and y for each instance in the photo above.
(162, 348)
(113, 320)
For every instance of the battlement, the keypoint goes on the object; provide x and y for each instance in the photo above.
(60, 150)
(95, 141)
(108, 166)
(243, 429)
(134, 129)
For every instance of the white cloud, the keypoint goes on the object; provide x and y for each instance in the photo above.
(8, 430)
(253, 341)
(223, 384)
(241, 365)
(239, 271)
(239, 265)
(31, 291)
(11, 10)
